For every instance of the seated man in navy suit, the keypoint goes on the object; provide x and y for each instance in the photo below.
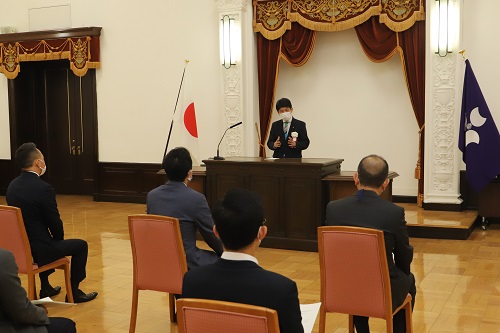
(366, 209)
(237, 276)
(176, 199)
(37, 201)
(288, 136)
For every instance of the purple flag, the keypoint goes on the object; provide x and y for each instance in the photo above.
(479, 139)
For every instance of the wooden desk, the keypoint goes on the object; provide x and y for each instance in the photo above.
(291, 190)
(341, 185)
(198, 182)
(488, 199)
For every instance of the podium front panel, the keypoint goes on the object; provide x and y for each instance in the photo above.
(290, 189)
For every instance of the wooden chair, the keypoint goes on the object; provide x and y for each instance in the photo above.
(355, 276)
(159, 258)
(208, 316)
(14, 238)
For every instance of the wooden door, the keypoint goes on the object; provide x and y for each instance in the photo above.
(54, 108)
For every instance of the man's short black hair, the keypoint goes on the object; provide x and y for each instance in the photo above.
(238, 218)
(283, 103)
(373, 171)
(26, 154)
(177, 164)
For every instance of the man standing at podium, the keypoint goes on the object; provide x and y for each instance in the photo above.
(288, 136)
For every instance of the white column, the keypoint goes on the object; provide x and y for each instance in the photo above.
(444, 77)
(239, 84)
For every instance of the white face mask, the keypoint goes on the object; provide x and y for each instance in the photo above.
(43, 169)
(286, 116)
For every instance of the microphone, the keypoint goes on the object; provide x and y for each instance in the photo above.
(220, 158)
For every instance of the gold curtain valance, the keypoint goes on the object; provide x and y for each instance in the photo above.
(82, 51)
(273, 17)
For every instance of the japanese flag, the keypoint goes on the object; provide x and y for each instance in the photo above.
(186, 127)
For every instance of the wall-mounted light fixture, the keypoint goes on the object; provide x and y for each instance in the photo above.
(228, 41)
(445, 26)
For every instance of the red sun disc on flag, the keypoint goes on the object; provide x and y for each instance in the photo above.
(190, 120)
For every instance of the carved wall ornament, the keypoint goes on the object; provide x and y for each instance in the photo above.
(443, 114)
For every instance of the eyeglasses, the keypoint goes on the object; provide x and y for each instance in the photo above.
(264, 222)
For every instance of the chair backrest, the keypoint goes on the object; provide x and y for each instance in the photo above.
(158, 253)
(13, 237)
(209, 316)
(354, 272)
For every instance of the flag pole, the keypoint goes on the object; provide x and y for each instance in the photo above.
(175, 108)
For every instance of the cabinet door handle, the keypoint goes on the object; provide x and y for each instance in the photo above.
(73, 150)
(79, 150)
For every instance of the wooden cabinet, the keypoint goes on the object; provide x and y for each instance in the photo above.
(341, 185)
(291, 190)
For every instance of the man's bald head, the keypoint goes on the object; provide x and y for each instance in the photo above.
(373, 171)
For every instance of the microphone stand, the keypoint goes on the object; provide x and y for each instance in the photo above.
(218, 157)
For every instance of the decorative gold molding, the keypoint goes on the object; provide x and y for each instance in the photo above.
(273, 17)
(82, 51)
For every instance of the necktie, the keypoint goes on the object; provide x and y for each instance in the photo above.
(286, 124)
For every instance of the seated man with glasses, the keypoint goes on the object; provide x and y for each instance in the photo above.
(237, 276)
(288, 136)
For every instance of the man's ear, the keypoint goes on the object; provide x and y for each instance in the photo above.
(356, 178)
(262, 232)
(385, 183)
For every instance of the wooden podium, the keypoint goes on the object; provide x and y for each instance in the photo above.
(292, 193)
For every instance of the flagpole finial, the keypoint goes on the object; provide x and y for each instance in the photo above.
(186, 60)
(462, 52)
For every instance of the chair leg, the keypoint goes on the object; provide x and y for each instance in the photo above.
(69, 290)
(171, 305)
(31, 287)
(390, 326)
(133, 314)
(351, 324)
(322, 318)
(408, 317)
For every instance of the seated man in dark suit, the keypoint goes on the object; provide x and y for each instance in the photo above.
(37, 201)
(288, 136)
(17, 313)
(237, 276)
(366, 209)
(176, 199)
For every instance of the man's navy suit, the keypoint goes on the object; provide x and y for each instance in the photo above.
(175, 199)
(366, 209)
(285, 151)
(37, 201)
(246, 282)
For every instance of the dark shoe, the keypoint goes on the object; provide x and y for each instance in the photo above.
(50, 292)
(81, 297)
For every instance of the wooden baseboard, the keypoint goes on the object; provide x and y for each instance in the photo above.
(127, 182)
(442, 207)
(404, 198)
